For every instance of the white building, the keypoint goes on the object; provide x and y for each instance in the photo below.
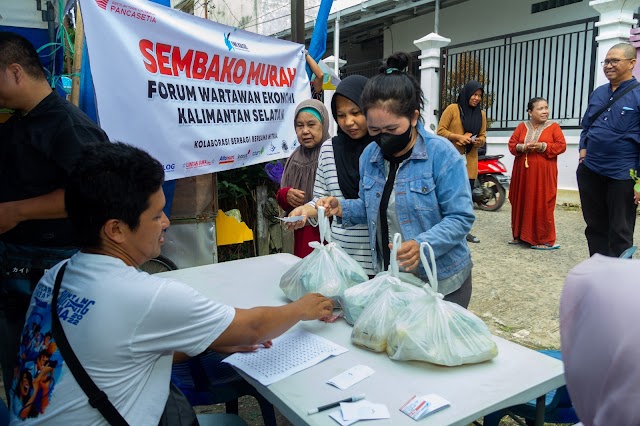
(524, 48)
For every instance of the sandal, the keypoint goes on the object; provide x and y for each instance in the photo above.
(514, 242)
(545, 246)
(472, 238)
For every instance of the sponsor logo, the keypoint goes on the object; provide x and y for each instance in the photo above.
(273, 150)
(258, 153)
(168, 168)
(244, 156)
(196, 164)
(102, 4)
(285, 147)
(227, 159)
(233, 45)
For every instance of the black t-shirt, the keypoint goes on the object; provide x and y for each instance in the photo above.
(37, 153)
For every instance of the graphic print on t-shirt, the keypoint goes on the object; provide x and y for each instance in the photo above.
(39, 363)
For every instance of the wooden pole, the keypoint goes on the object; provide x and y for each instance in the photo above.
(262, 225)
(77, 58)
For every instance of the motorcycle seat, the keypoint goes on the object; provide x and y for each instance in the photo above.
(489, 157)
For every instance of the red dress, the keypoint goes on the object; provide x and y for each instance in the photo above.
(533, 189)
(303, 236)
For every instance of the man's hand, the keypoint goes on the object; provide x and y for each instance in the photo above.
(408, 255)
(9, 217)
(295, 197)
(331, 206)
(314, 306)
(243, 348)
(636, 197)
(583, 153)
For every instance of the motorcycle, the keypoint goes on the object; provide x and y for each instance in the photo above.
(489, 193)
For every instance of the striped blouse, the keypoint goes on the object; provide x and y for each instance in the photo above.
(354, 240)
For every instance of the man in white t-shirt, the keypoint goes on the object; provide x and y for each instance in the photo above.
(125, 325)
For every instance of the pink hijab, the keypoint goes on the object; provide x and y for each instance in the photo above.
(600, 334)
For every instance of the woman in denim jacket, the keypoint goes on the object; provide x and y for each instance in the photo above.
(411, 182)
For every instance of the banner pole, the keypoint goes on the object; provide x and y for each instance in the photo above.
(77, 57)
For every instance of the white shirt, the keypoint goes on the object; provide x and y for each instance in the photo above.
(123, 326)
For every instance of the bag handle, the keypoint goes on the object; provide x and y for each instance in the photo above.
(325, 226)
(394, 269)
(430, 269)
(97, 398)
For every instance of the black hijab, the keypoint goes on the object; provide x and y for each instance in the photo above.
(471, 117)
(347, 151)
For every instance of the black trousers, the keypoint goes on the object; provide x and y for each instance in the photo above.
(609, 211)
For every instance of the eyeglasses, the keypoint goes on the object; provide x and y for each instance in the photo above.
(613, 62)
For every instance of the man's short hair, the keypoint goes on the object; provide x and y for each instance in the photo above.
(628, 50)
(15, 49)
(110, 181)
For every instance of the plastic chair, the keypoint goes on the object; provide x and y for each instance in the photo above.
(204, 380)
(4, 414)
(628, 253)
(220, 419)
(558, 406)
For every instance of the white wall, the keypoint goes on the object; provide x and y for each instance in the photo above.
(21, 14)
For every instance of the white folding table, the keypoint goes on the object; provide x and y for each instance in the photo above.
(515, 376)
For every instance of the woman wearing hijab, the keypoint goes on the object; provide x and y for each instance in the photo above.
(465, 125)
(411, 182)
(600, 340)
(338, 174)
(296, 188)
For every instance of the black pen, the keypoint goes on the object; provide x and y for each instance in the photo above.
(337, 403)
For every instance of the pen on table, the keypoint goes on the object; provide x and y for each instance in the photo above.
(335, 404)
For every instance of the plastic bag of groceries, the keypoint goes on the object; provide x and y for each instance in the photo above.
(433, 330)
(327, 270)
(374, 324)
(358, 297)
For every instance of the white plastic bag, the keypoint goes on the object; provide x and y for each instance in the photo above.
(433, 330)
(358, 297)
(372, 327)
(327, 270)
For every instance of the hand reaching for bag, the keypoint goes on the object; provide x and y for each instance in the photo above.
(331, 206)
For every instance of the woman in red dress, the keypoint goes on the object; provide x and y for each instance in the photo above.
(536, 145)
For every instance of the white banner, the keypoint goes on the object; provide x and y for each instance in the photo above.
(199, 96)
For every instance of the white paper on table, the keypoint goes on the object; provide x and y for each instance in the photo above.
(337, 416)
(291, 219)
(363, 410)
(290, 353)
(351, 376)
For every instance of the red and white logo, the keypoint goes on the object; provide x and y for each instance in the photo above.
(102, 3)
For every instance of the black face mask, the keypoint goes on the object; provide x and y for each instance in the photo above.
(392, 144)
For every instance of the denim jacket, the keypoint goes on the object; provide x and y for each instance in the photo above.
(433, 201)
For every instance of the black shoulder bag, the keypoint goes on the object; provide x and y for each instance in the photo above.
(177, 411)
(617, 95)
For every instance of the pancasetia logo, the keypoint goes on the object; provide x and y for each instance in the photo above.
(102, 4)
